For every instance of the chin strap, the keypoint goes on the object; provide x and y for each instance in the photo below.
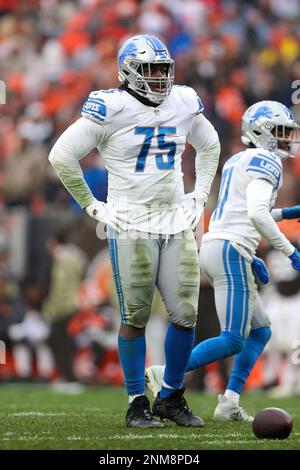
(138, 97)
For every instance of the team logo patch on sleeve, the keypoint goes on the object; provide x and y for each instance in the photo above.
(269, 169)
(94, 108)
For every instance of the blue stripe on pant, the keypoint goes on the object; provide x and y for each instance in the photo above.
(246, 297)
(237, 308)
(113, 249)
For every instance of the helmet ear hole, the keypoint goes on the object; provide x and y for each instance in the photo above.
(256, 133)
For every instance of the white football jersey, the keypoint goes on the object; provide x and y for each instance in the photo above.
(142, 147)
(230, 218)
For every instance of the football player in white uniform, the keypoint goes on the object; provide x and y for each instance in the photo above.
(248, 191)
(141, 130)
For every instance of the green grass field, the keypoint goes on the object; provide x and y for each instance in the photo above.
(34, 417)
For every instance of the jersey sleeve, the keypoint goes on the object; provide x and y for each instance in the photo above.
(259, 196)
(202, 134)
(190, 100)
(102, 105)
(76, 142)
(265, 167)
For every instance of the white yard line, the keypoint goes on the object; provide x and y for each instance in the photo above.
(42, 414)
(202, 438)
(202, 442)
(36, 413)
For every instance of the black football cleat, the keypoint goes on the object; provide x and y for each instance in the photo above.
(139, 414)
(175, 408)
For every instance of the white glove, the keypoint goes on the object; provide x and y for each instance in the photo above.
(196, 203)
(106, 214)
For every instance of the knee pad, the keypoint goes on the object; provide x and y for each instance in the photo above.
(261, 335)
(235, 343)
(137, 317)
(186, 315)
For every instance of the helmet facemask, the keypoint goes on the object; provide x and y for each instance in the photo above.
(145, 82)
(287, 140)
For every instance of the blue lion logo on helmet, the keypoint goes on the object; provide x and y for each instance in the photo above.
(263, 111)
(129, 50)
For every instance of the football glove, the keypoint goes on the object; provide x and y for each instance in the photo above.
(106, 214)
(291, 212)
(260, 270)
(295, 259)
(196, 204)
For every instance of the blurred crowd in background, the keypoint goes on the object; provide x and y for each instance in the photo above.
(58, 310)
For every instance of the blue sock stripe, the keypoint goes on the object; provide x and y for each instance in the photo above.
(113, 249)
(229, 290)
(244, 325)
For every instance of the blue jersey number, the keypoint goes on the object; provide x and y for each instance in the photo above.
(223, 194)
(168, 147)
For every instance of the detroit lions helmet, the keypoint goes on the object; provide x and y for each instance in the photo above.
(136, 59)
(268, 125)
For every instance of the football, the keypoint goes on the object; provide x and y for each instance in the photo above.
(272, 423)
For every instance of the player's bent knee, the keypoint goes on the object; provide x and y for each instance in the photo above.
(261, 335)
(186, 315)
(235, 343)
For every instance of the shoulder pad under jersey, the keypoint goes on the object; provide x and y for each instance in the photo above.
(265, 164)
(189, 99)
(102, 105)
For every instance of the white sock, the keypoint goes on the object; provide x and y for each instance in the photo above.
(132, 397)
(233, 396)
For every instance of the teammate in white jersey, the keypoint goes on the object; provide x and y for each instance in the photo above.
(141, 130)
(249, 186)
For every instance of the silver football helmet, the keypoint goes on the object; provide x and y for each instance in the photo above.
(138, 60)
(270, 125)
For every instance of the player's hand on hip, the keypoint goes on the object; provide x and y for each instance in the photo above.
(295, 259)
(291, 212)
(196, 204)
(106, 214)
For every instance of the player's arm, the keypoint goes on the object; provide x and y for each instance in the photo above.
(73, 145)
(204, 139)
(289, 213)
(259, 194)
